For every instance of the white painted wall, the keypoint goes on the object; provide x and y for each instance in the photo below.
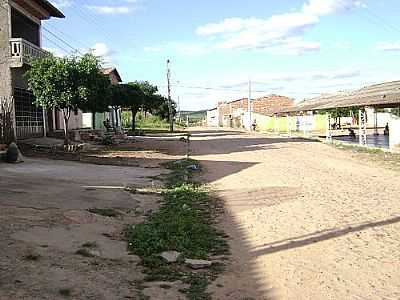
(213, 118)
(394, 133)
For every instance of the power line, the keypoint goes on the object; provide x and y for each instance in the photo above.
(61, 40)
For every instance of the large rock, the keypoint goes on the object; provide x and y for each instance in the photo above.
(170, 256)
(198, 263)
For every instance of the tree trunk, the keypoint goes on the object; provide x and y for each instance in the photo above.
(133, 112)
(66, 114)
(93, 120)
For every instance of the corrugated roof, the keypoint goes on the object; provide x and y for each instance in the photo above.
(383, 94)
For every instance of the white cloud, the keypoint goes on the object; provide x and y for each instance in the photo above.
(62, 3)
(111, 10)
(102, 51)
(327, 7)
(394, 47)
(56, 52)
(279, 33)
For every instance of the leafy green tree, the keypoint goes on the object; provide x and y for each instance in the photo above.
(133, 99)
(56, 83)
(67, 84)
(97, 87)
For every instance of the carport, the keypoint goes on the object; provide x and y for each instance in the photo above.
(378, 96)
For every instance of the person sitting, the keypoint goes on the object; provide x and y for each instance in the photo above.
(386, 131)
(352, 133)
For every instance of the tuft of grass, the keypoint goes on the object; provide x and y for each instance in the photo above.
(184, 223)
(32, 257)
(180, 174)
(65, 292)
(84, 252)
(90, 245)
(106, 212)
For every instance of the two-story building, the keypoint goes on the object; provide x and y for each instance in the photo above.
(20, 41)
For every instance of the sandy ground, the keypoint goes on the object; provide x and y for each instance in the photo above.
(44, 221)
(306, 220)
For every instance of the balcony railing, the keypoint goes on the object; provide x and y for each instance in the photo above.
(23, 51)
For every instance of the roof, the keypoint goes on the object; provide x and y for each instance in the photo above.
(109, 71)
(54, 12)
(385, 94)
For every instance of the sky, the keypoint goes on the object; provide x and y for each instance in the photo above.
(295, 48)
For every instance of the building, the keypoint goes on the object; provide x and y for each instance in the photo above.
(20, 41)
(235, 114)
(114, 115)
(213, 117)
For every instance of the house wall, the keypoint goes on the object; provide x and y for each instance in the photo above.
(213, 118)
(394, 133)
(5, 72)
(235, 113)
(315, 123)
(75, 121)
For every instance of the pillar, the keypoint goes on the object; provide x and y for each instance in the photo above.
(362, 123)
(328, 128)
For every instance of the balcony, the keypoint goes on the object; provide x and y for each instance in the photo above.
(22, 52)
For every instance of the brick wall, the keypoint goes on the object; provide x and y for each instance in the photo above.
(271, 104)
(265, 105)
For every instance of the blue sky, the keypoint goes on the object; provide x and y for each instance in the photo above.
(298, 48)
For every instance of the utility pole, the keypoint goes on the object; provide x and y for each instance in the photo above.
(170, 115)
(249, 105)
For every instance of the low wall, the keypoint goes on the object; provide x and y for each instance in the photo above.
(314, 123)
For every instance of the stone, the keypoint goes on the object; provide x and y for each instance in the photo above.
(198, 263)
(192, 167)
(170, 256)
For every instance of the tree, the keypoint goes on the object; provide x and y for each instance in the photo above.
(67, 84)
(133, 99)
(56, 83)
(97, 86)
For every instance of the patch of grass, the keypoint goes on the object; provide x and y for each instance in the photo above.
(184, 223)
(358, 149)
(180, 174)
(106, 212)
(84, 252)
(165, 286)
(90, 245)
(32, 257)
(65, 292)
(197, 287)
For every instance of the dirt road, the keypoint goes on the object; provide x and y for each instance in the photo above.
(306, 220)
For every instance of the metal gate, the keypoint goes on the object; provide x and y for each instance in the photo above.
(28, 117)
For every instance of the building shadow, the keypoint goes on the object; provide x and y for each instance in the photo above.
(318, 236)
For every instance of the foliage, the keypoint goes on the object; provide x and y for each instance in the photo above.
(67, 84)
(97, 86)
(185, 224)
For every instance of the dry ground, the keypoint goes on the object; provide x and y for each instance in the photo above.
(306, 220)
(44, 221)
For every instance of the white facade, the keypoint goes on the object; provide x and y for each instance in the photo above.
(213, 118)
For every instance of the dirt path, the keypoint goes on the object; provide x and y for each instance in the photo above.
(306, 221)
(44, 222)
